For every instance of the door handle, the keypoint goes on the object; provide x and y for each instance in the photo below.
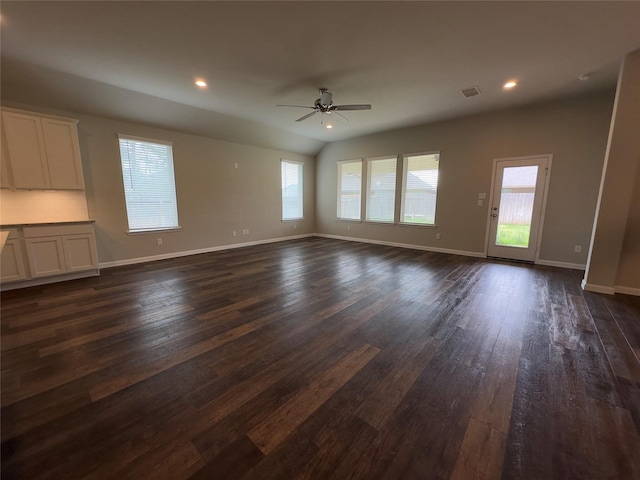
(494, 215)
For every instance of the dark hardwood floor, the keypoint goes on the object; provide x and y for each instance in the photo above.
(321, 359)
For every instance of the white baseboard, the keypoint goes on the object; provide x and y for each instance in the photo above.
(153, 258)
(553, 263)
(627, 290)
(405, 245)
(34, 282)
(610, 290)
(589, 287)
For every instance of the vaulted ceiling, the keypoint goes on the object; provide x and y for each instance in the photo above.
(138, 61)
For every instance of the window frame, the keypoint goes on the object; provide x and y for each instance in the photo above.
(368, 202)
(282, 189)
(405, 171)
(174, 204)
(339, 213)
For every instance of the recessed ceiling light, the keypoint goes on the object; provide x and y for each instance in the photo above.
(329, 126)
(201, 83)
(509, 85)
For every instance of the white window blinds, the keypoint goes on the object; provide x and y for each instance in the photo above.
(291, 183)
(419, 189)
(149, 184)
(381, 189)
(349, 190)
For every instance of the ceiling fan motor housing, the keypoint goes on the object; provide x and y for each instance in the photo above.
(325, 98)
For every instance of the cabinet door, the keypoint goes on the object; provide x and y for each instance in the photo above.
(80, 252)
(25, 145)
(5, 175)
(63, 154)
(46, 256)
(12, 262)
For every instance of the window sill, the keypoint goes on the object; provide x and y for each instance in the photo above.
(400, 224)
(380, 222)
(158, 230)
(420, 225)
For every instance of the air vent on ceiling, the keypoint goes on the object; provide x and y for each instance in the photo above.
(470, 92)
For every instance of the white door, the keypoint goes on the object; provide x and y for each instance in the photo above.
(516, 207)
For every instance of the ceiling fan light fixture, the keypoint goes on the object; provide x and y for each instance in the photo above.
(200, 83)
(509, 85)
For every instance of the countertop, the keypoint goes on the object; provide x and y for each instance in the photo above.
(45, 224)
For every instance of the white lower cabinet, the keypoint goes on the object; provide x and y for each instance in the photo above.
(51, 250)
(45, 256)
(12, 265)
(80, 252)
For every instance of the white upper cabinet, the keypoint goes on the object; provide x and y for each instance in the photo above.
(63, 154)
(43, 151)
(5, 175)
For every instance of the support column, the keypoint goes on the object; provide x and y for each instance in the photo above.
(618, 182)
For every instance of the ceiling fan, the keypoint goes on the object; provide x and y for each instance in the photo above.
(324, 104)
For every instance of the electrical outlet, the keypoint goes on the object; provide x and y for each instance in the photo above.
(348, 227)
(295, 226)
(437, 236)
(160, 242)
(577, 248)
(233, 233)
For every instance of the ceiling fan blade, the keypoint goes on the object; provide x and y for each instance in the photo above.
(351, 107)
(341, 116)
(297, 106)
(307, 116)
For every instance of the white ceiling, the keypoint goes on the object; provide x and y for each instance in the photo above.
(138, 60)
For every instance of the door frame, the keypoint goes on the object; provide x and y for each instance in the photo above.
(543, 207)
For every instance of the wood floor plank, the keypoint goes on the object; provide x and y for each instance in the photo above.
(288, 416)
(110, 387)
(380, 404)
(319, 358)
(240, 456)
(481, 453)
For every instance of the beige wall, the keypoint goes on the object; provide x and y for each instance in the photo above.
(214, 197)
(573, 130)
(628, 275)
(614, 261)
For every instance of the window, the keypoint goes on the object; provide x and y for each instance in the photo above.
(350, 190)
(419, 189)
(292, 202)
(149, 184)
(381, 189)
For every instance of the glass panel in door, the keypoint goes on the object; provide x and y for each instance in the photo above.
(516, 207)
(517, 196)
